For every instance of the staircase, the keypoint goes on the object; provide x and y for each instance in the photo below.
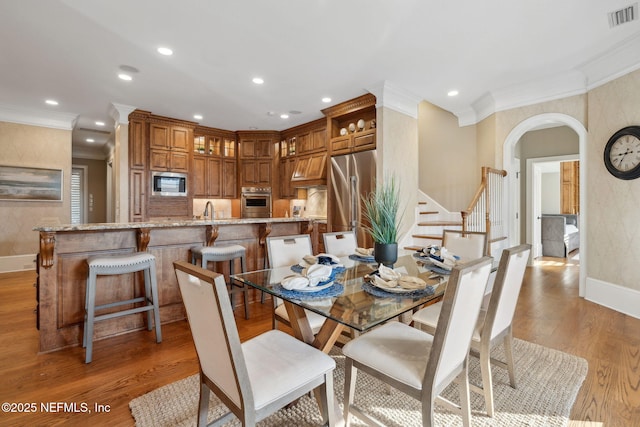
(483, 214)
(431, 219)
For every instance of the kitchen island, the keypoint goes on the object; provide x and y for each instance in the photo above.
(62, 267)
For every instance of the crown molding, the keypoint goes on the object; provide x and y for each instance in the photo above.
(43, 118)
(608, 66)
(396, 98)
(120, 112)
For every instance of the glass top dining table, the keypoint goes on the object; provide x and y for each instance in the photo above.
(350, 302)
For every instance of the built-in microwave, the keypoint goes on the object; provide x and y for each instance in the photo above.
(168, 184)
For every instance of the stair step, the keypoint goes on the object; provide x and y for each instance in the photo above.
(427, 236)
(422, 203)
(440, 223)
(429, 212)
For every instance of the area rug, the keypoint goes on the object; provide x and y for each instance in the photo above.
(548, 382)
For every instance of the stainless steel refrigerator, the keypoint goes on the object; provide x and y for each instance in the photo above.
(352, 176)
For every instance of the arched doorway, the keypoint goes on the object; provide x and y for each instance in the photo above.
(508, 164)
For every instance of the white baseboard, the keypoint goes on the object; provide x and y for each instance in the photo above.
(17, 263)
(616, 297)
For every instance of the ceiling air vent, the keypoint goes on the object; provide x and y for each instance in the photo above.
(624, 15)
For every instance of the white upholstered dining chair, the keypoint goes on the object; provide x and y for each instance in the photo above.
(340, 243)
(468, 245)
(241, 374)
(494, 323)
(417, 363)
(286, 251)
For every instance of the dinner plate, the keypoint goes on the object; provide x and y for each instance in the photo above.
(315, 288)
(396, 290)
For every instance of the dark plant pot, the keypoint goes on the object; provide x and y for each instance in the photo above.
(385, 253)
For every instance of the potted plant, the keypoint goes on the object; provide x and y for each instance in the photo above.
(381, 210)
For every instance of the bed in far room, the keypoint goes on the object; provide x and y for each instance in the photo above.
(560, 234)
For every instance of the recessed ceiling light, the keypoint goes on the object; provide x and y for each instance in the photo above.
(51, 102)
(295, 112)
(125, 77)
(284, 116)
(257, 80)
(197, 116)
(99, 123)
(90, 140)
(253, 128)
(165, 51)
(452, 93)
(271, 113)
(326, 99)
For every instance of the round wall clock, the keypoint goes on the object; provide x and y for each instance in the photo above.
(622, 153)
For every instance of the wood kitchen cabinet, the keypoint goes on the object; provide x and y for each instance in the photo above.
(168, 146)
(351, 126)
(137, 143)
(214, 168)
(303, 153)
(256, 150)
(287, 165)
(157, 143)
(255, 173)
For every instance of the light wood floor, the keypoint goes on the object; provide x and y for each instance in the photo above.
(549, 313)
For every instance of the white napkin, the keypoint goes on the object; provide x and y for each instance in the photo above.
(449, 257)
(317, 273)
(310, 277)
(364, 251)
(390, 278)
(311, 259)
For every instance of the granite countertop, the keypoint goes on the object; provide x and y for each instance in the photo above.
(162, 224)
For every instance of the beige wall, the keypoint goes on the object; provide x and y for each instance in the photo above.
(613, 204)
(97, 188)
(32, 146)
(397, 148)
(448, 165)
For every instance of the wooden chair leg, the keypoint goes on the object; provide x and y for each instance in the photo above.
(508, 352)
(203, 404)
(487, 380)
(465, 405)
(350, 374)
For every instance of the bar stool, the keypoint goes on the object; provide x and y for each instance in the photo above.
(121, 264)
(229, 253)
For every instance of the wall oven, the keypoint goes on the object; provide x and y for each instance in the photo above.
(168, 184)
(255, 202)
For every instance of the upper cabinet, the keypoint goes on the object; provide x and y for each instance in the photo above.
(168, 147)
(352, 125)
(157, 143)
(256, 160)
(213, 171)
(303, 154)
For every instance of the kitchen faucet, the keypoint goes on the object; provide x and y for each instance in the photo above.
(206, 210)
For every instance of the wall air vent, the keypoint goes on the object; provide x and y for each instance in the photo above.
(624, 15)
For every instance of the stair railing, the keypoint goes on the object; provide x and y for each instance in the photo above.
(485, 212)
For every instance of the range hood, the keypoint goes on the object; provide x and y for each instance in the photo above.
(310, 170)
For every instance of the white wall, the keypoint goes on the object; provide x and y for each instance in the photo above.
(550, 200)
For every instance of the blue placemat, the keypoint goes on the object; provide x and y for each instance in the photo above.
(297, 268)
(362, 258)
(332, 291)
(377, 292)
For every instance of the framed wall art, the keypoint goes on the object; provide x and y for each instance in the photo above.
(25, 184)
